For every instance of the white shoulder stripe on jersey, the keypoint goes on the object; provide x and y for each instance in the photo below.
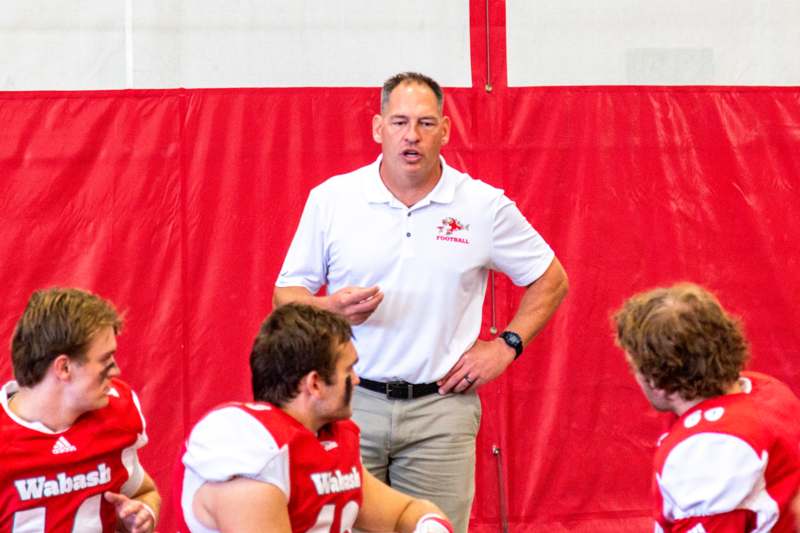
(143, 434)
(230, 442)
(715, 473)
(130, 456)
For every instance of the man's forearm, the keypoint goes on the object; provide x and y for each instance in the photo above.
(486, 360)
(285, 295)
(539, 302)
(416, 509)
(356, 304)
(148, 495)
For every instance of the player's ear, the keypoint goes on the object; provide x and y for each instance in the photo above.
(311, 383)
(61, 367)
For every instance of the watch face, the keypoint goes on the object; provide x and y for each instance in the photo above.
(513, 340)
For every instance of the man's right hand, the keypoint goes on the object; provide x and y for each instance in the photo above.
(356, 304)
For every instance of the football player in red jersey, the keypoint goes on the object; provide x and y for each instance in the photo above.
(731, 460)
(71, 429)
(290, 461)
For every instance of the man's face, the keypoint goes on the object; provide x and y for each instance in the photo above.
(411, 131)
(337, 397)
(90, 378)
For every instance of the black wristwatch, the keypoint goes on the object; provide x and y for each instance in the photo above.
(513, 340)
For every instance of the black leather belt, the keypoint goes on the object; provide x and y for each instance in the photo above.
(399, 390)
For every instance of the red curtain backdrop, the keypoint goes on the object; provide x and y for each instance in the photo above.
(178, 205)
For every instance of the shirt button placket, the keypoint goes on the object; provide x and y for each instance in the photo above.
(407, 247)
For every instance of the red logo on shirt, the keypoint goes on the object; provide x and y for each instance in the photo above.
(449, 226)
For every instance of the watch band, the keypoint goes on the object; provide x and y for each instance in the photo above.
(514, 341)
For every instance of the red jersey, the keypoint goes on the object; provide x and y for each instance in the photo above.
(731, 463)
(54, 481)
(320, 474)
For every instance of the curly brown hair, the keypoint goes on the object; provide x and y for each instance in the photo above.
(57, 321)
(681, 340)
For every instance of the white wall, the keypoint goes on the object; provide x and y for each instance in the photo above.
(653, 42)
(113, 44)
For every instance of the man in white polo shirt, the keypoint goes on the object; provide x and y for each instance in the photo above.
(404, 246)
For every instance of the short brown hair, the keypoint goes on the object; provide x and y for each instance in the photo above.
(293, 341)
(411, 77)
(682, 341)
(57, 321)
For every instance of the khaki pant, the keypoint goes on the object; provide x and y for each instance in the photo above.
(423, 447)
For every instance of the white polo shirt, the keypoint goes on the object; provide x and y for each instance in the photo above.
(431, 261)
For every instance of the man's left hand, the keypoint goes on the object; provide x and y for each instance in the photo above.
(133, 514)
(479, 365)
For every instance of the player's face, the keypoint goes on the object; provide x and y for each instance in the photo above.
(339, 394)
(656, 397)
(411, 131)
(90, 379)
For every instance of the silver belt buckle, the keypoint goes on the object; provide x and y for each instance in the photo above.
(399, 390)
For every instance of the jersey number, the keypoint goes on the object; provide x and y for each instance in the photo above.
(87, 518)
(327, 514)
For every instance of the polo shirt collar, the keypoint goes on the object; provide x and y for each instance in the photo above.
(376, 192)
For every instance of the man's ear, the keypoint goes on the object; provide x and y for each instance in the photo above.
(377, 129)
(445, 130)
(62, 367)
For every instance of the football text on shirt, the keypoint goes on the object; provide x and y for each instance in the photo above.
(333, 482)
(38, 487)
